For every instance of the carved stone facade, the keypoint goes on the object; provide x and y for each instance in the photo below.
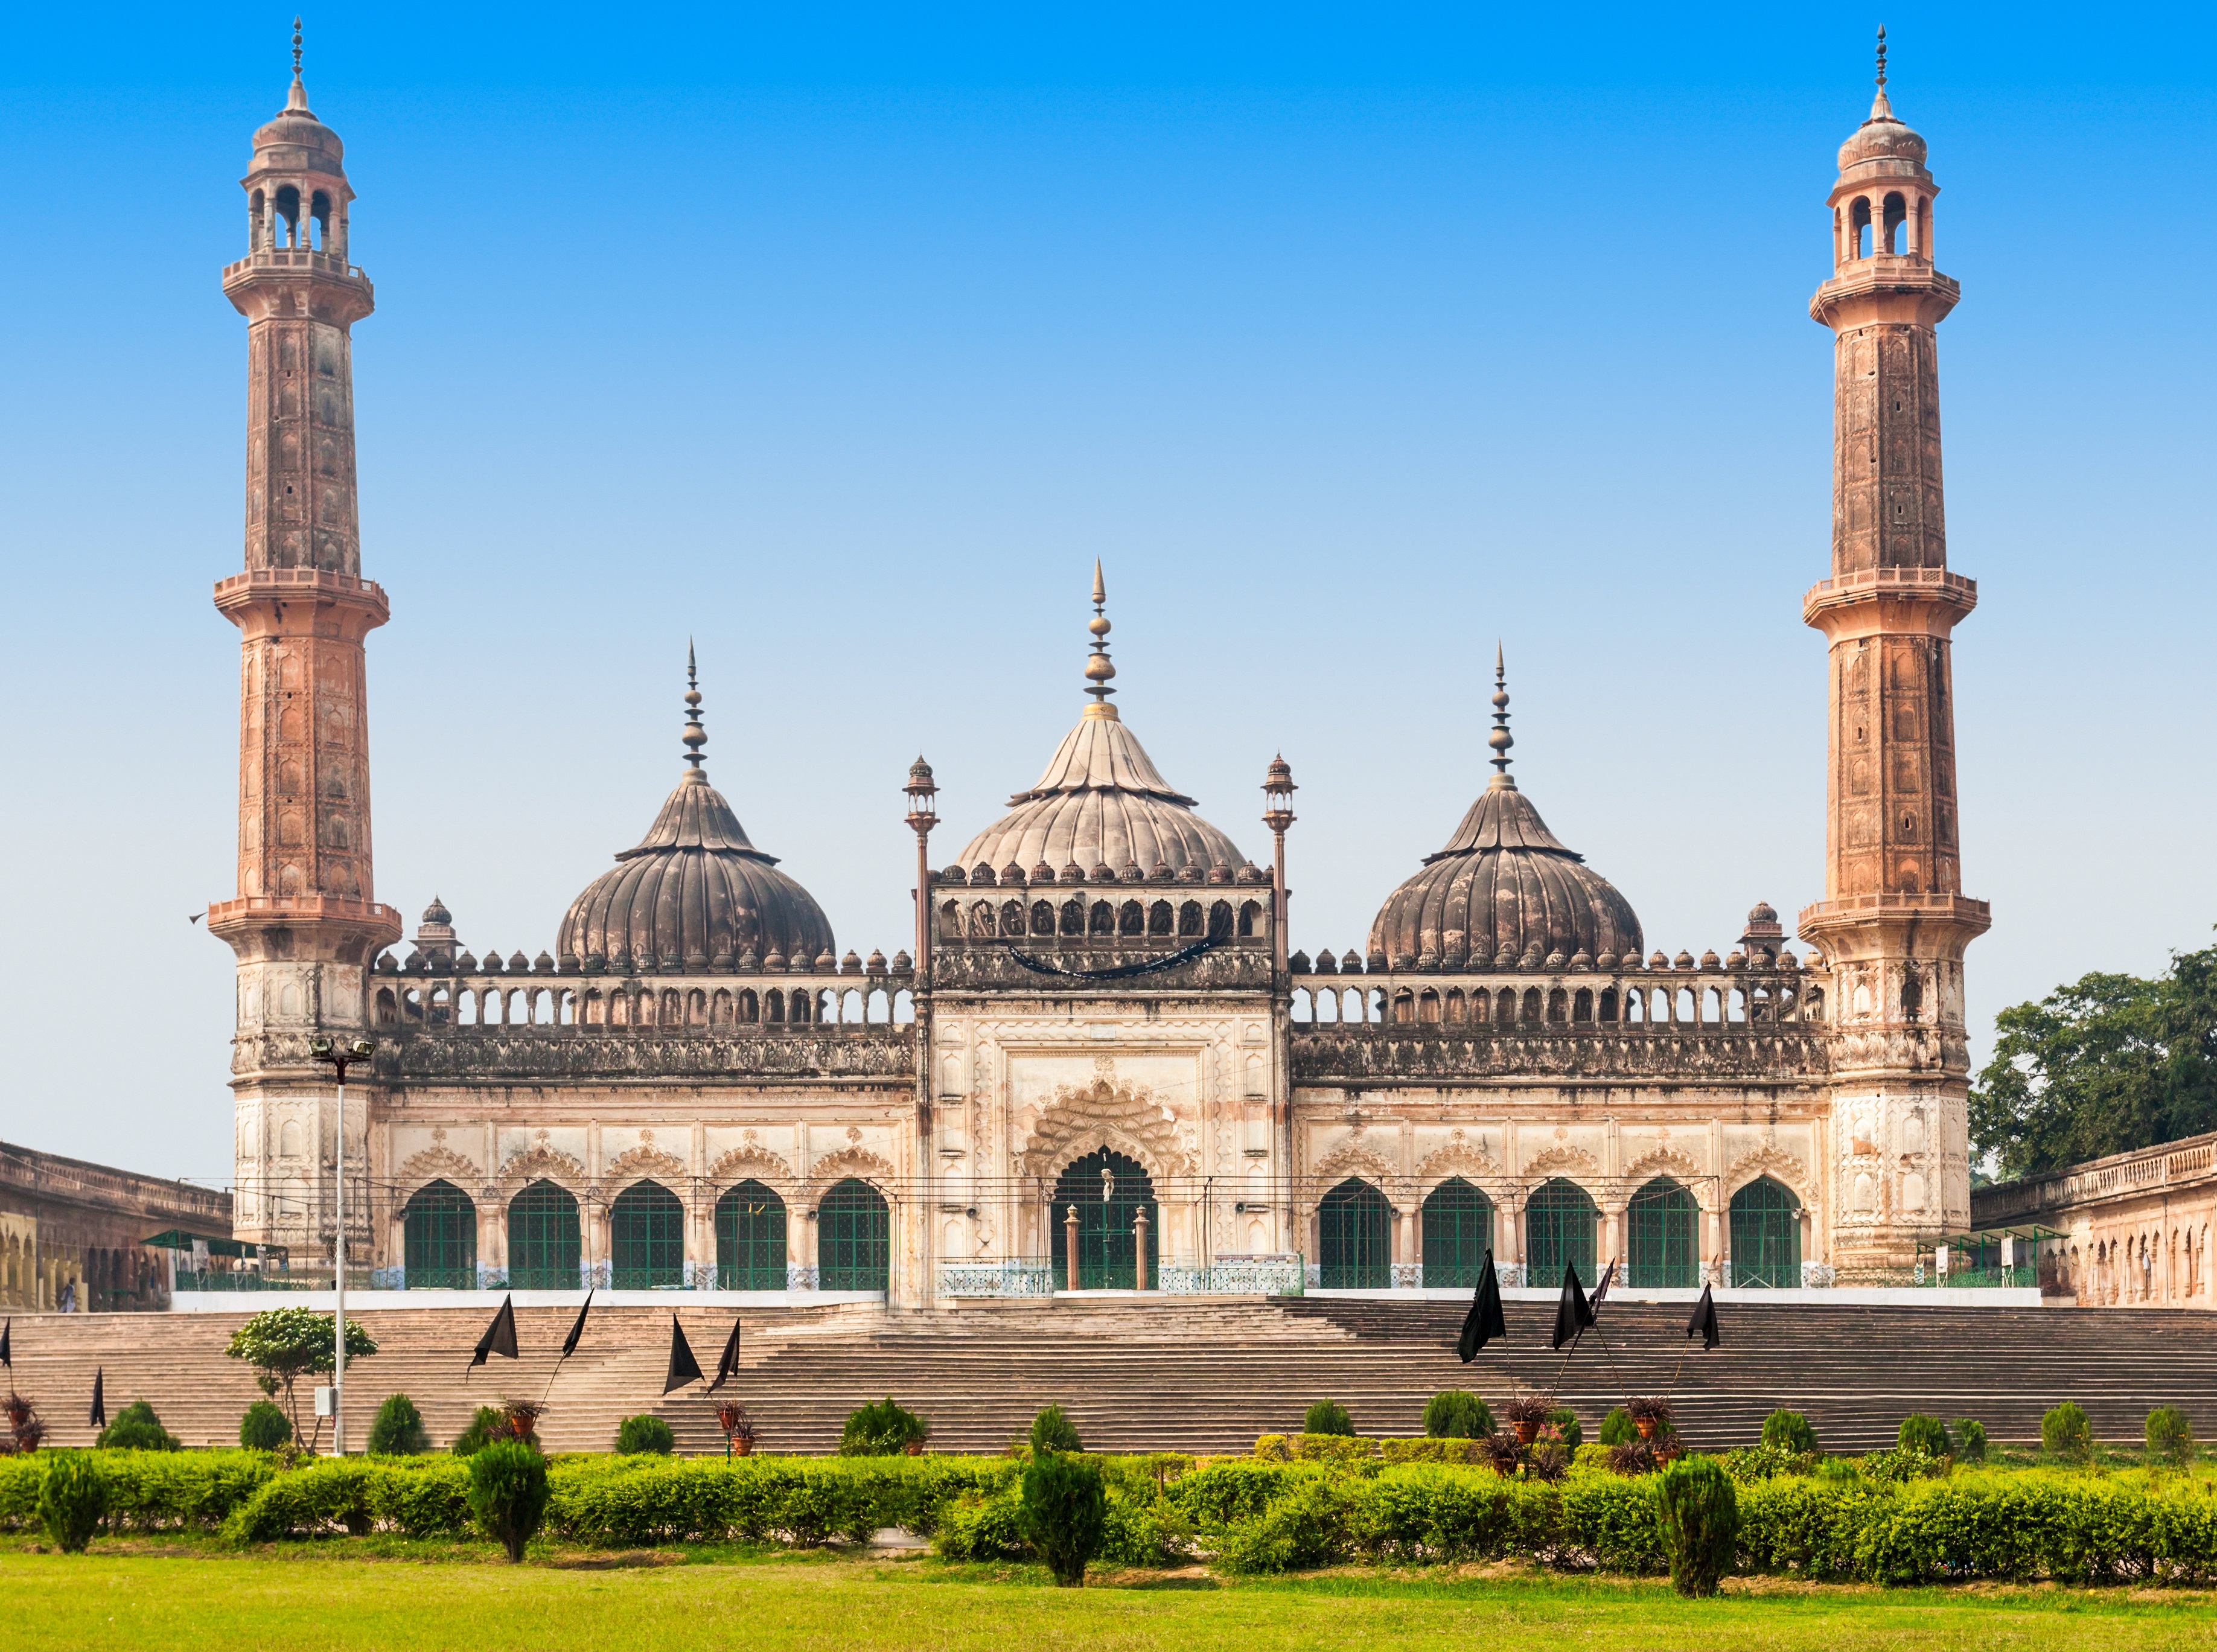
(2130, 1231)
(1103, 1057)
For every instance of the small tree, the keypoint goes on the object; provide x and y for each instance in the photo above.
(136, 1428)
(645, 1435)
(1565, 1421)
(72, 1499)
(1790, 1431)
(508, 1494)
(264, 1427)
(1618, 1428)
(284, 1344)
(1700, 1515)
(1970, 1437)
(1054, 1431)
(398, 1430)
(881, 1431)
(2169, 1436)
(1919, 1433)
(488, 1425)
(1456, 1414)
(1064, 1511)
(1328, 1417)
(2064, 1433)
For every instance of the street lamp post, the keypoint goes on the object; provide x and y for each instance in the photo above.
(1278, 790)
(923, 816)
(336, 1057)
(1278, 814)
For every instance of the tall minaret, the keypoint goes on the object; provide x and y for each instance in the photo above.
(306, 924)
(1894, 921)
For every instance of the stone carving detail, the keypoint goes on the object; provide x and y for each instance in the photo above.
(436, 1163)
(1458, 1158)
(541, 1159)
(1353, 1158)
(1562, 1160)
(751, 1161)
(1395, 1051)
(1773, 1162)
(1664, 1160)
(857, 1161)
(490, 1052)
(644, 1159)
(1121, 1116)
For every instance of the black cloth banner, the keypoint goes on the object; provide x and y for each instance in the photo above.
(500, 1335)
(1608, 1277)
(1703, 1324)
(99, 1416)
(683, 1367)
(727, 1363)
(1573, 1314)
(7, 1334)
(569, 1342)
(1123, 972)
(1483, 1323)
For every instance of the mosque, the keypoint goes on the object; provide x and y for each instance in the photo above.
(1097, 1063)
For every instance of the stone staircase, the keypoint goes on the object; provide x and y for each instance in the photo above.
(1206, 1374)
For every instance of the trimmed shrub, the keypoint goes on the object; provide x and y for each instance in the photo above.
(2066, 1435)
(1698, 1514)
(1314, 1448)
(1054, 1431)
(508, 1494)
(72, 1499)
(881, 1431)
(1618, 1428)
(1922, 1433)
(1970, 1437)
(1063, 1506)
(1428, 1450)
(2169, 1436)
(136, 1428)
(643, 1436)
(264, 1427)
(1752, 1464)
(1456, 1414)
(1791, 1431)
(1565, 1421)
(398, 1430)
(1308, 1525)
(490, 1424)
(1328, 1417)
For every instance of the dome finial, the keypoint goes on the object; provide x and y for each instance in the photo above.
(1500, 739)
(1098, 670)
(1881, 109)
(296, 98)
(696, 736)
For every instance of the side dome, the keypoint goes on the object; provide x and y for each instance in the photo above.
(693, 893)
(1101, 801)
(1505, 890)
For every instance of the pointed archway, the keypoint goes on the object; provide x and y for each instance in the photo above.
(1110, 1193)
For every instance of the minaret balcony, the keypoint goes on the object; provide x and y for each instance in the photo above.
(294, 258)
(1886, 287)
(318, 585)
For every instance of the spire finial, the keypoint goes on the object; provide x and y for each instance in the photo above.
(1098, 670)
(297, 97)
(1881, 108)
(1500, 739)
(696, 736)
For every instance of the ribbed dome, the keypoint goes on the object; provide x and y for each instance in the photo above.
(1102, 803)
(1884, 136)
(1503, 891)
(694, 892)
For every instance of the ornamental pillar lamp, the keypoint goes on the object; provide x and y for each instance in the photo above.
(1278, 790)
(923, 816)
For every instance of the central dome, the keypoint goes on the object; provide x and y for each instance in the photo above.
(1102, 803)
(1505, 891)
(693, 893)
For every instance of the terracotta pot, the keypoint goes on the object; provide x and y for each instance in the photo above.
(914, 1448)
(1646, 1426)
(743, 1448)
(1528, 1430)
(1504, 1469)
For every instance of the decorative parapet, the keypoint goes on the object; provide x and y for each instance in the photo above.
(1391, 1054)
(996, 1280)
(1243, 1276)
(2166, 1168)
(873, 1052)
(1818, 1276)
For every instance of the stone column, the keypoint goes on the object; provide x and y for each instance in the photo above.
(1140, 1237)
(1070, 1249)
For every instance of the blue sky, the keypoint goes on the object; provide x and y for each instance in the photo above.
(843, 342)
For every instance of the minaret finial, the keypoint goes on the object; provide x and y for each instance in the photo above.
(1098, 670)
(1500, 739)
(1881, 108)
(696, 736)
(296, 98)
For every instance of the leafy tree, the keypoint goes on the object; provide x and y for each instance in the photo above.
(264, 1427)
(1970, 1437)
(645, 1435)
(1789, 1431)
(1919, 1433)
(508, 1492)
(1328, 1417)
(284, 1344)
(1565, 1421)
(2170, 1436)
(490, 1424)
(398, 1430)
(1064, 1511)
(1618, 1428)
(2107, 1065)
(72, 1499)
(881, 1430)
(1457, 1414)
(2065, 1433)
(1698, 1509)
(1054, 1431)
(136, 1428)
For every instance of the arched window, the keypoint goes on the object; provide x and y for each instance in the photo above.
(1132, 919)
(1353, 1238)
(981, 918)
(1663, 1243)
(646, 1238)
(1895, 212)
(1859, 227)
(1109, 1192)
(1101, 921)
(751, 1239)
(854, 1247)
(1766, 1235)
(1559, 1219)
(545, 1247)
(440, 1239)
(1073, 916)
(1042, 917)
(1457, 1234)
(1189, 918)
(1160, 919)
(1251, 919)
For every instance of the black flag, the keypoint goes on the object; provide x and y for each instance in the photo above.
(1483, 1323)
(7, 1356)
(1704, 1322)
(500, 1335)
(569, 1342)
(727, 1365)
(99, 1417)
(683, 1367)
(1573, 1312)
(1608, 1276)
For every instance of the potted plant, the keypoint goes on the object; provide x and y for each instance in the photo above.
(522, 1419)
(738, 1428)
(25, 1431)
(1650, 1415)
(1502, 1450)
(1527, 1411)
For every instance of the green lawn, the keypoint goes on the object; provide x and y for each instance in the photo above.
(303, 1598)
